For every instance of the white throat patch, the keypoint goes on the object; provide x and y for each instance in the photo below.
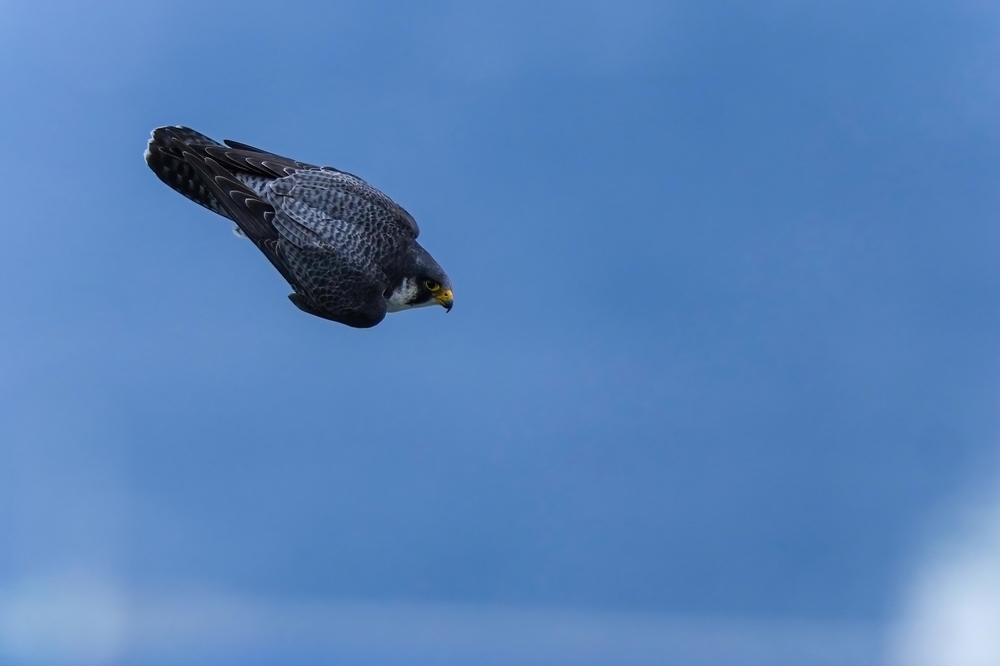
(405, 292)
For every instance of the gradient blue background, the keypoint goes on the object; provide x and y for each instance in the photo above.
(726, 302)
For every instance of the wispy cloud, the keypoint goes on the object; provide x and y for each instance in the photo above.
(952, 616)
(81, 620)
(62, 619)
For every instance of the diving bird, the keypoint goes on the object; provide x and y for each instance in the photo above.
(348, 251)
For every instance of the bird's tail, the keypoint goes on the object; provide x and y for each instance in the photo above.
(165, 156)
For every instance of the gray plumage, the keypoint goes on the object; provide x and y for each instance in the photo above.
(349, 252)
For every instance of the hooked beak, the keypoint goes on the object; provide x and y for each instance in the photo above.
(445, 300)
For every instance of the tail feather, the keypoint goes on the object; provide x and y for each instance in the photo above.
(190, 163)
(165, 156)
(183, 159)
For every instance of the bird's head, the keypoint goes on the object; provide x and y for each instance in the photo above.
(425, 283)
(434, 291)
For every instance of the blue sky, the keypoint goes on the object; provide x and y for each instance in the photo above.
(724, 341)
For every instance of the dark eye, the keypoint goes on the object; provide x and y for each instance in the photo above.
(431, 285)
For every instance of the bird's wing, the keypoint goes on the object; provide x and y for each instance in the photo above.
(337, 281)
(346, 197)
(339, 237)
(337, 211)
(241, 157)
(248, 158)
(332, 288)
(172, 150)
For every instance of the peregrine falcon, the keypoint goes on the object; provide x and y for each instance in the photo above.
(348, 251)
